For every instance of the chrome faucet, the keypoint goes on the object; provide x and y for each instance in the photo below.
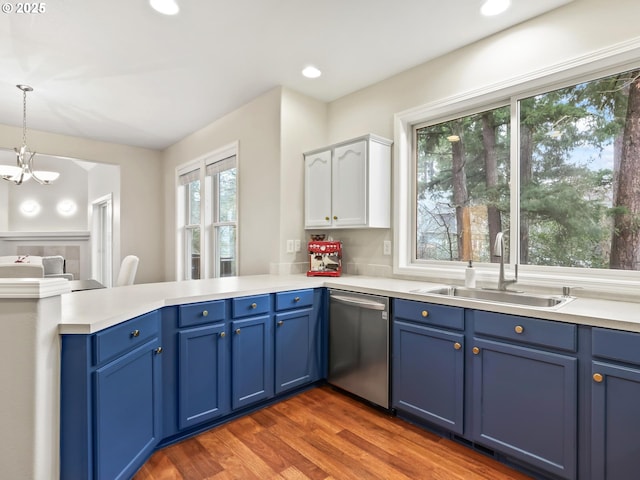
(498, 251)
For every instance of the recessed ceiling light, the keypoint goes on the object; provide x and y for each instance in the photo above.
(494, 7)
(311, 72)
(166, 7)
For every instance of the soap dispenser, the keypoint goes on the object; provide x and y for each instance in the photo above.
(470, 276)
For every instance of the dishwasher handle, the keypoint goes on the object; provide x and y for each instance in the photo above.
(368, 304)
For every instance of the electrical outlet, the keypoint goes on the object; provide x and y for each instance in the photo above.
(386, 247)
(290, 246)
(297, 245)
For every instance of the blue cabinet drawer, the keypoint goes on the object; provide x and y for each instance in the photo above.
(429, 314)
(616, 345)
(114, 341)
(547, 333)
(294, 299)
(203, 312)
(253, 305)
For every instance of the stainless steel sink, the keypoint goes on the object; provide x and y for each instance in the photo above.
(498, 296)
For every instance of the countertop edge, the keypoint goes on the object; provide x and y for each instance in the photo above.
(117, 305)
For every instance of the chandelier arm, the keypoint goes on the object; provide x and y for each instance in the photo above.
(24, 157)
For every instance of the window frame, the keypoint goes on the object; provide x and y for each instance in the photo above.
(589, 67)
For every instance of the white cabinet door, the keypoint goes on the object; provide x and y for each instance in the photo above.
(349, 183)
(317, 193)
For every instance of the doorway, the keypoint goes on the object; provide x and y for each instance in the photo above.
(102, 240)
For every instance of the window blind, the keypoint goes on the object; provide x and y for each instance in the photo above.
(221, 165)
(187, 178)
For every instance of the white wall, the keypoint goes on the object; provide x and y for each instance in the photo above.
(575, 30)
(142, 195)
(4, 206)
(71, 185)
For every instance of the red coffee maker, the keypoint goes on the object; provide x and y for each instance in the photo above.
(325, 257)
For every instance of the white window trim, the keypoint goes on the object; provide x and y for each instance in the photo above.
(200, 164)
(596, 64)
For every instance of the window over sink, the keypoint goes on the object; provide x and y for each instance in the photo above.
(555, 166)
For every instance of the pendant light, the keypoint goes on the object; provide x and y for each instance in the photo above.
(24, 169)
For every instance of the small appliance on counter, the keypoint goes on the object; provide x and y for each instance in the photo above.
(325, 257)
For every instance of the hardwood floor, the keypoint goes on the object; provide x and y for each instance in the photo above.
(321, 434)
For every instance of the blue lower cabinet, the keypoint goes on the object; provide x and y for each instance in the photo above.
(164, 375)
(203, 383)
(127, 420)
(251, 360)
(525, 405)
(110, 414)
(428, 374)
(615, 422)
(295, 351)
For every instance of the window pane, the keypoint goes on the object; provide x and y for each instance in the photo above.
(226, 251)
(227, 195)
(193, 203)
(580, 175)
(192, 253)
(462, 172)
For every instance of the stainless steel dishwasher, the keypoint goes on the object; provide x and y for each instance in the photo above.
(359, 345)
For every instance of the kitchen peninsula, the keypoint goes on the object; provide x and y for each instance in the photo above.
(34, 313)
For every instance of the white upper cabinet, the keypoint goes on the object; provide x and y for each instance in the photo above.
(317, 189)
(348, 185)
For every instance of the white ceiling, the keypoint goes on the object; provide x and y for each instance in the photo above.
(117, 71)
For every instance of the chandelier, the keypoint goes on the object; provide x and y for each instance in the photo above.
(24, 169)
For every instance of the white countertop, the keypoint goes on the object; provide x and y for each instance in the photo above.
(93, 310)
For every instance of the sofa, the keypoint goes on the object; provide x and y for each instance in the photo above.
(33, 266)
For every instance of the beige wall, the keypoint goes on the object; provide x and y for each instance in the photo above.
(141, 217)
(303, 128)
(256, 128)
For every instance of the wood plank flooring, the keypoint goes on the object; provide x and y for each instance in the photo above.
(321, 434)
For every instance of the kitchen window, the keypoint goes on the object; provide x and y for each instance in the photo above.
(222, 178)
(190, 187)
(208, 216)
(557, 169)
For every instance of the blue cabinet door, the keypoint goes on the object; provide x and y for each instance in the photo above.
(428, 374)
(525, 405)
(251, 360)
(615, 422)
(127, 417)
(202, 378)
(294, 349)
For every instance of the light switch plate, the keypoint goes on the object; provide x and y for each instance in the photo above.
(386, 247)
